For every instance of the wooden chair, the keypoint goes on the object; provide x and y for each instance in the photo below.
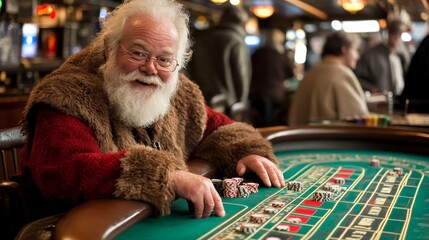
(12, 207)
(16, 214)
(11, 140)
(240, 112)
(218, 103)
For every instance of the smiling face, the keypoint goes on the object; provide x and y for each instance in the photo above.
(140, 93)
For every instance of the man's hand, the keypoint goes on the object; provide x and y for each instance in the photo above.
(199, 191)
(267, 171)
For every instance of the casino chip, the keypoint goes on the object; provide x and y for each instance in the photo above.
(339, 180)
(294, 219)
(253, 187)
(283, 227)
(278, 204)
(333, 188)
(270, 210)
(243, 191)
(238, 180)
(258, 218)
(323, 196)
(294, 186)
(398, 171)
(375, 162)
(247, 227)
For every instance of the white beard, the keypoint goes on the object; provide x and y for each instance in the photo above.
(134, 106)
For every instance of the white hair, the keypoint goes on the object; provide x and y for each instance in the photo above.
(162, 10)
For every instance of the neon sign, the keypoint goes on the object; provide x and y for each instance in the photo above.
(46, 10)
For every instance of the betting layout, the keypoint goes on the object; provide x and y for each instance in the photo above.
(375, 195)
(339, 196)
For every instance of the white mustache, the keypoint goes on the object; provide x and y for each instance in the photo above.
(136, 75)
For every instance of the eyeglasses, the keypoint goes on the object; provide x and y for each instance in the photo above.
(162, 63)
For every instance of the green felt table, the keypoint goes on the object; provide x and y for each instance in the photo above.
(374, 205)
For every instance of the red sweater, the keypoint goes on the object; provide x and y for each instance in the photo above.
(66, 162)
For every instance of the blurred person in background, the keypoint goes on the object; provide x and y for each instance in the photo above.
(417, 76)
(415, 97)
(220, 62)
(271, 66)
(330, 90)
(381, 67)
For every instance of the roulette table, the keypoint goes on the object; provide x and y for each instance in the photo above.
(375, 202)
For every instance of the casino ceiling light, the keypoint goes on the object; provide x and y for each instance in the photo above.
(352, 6)
(218, 1)
(262, 11)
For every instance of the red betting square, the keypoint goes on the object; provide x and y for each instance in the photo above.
(312, 203)
(294, 228)
(347, 171)
(305, 211)
(342, 175)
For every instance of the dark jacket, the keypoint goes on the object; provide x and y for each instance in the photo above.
(221, 63)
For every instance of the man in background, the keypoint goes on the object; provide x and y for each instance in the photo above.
(221, 60)
(381, 68)
(330, 90)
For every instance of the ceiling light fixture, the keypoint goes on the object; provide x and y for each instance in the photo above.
(262, 11)
(352, 6)
(218, 2)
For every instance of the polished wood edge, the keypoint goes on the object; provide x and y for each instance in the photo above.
(266, 131)
(410, 141)
(350, 132)
(101, 219)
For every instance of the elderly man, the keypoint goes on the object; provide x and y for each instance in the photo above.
(118, 120)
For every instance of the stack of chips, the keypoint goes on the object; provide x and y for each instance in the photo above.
(322, 196)
(334, 188)
(398, 171)
(294, 186)
(282, 227)
(294, 219)
(243, 191)
(258, 218)
(232, 187)
(248, 228)
(338, 180)
(270, 210)
(368, 120)
(253, 187)
(375, 162)
(278, 204)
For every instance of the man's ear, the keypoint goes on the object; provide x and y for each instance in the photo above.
(344, 49)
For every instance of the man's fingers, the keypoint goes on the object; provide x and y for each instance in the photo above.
(208, 205)
(199, 209)
(218, 205)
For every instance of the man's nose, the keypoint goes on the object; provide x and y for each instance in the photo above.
(149, 67)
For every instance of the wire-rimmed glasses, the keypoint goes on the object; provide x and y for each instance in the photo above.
(162, 63)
